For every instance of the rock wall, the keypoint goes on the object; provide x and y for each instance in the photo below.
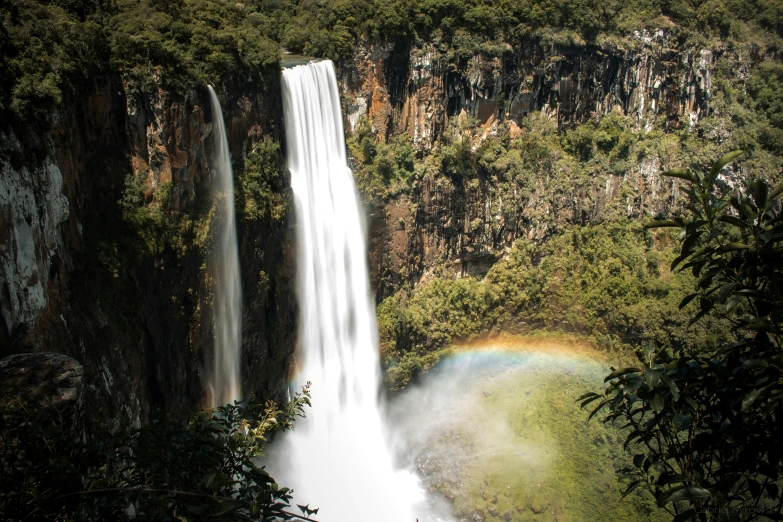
(144, 334)
(456, 228)
(418, 90)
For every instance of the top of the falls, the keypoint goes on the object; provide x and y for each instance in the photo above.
(289, 60)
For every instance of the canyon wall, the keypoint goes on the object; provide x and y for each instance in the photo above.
(418, 90)
(462, 227)
(141, 324)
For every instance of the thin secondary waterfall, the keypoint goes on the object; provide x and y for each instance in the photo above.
(338, 458)
(225, 382)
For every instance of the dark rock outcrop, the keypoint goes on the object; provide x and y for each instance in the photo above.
(48, 380)
(417, 90)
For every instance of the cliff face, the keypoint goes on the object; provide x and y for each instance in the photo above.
(140, 325)
(464, 227)
(418, 90)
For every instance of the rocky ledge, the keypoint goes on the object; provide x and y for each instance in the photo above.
(51, 380)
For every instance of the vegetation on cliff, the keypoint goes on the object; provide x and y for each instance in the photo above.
(608, 281)
(602, 275)
(508, 161)
(263, 182)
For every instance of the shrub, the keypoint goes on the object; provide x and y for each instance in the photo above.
(202, 467)
(262, 180)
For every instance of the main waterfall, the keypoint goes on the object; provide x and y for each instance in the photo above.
(338, 458)
(225, 382)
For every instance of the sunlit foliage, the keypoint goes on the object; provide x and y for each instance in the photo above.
(609, 281)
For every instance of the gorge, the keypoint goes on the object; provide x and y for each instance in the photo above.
(448, 195)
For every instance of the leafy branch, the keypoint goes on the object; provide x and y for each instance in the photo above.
(706, 424)
(203, 467)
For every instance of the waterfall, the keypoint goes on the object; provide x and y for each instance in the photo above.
(225, 381)
(338, 458)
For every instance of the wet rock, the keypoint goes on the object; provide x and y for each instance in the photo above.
(508, 515)
(493, 511)
(536, 510)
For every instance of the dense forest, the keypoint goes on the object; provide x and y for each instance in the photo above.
(50, 47)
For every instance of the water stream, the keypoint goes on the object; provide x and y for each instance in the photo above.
(338, 458)
(225, 382)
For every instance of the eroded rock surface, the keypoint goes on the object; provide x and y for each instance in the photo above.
(51, 380)
(417, 90)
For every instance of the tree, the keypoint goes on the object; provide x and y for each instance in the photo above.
(706, 425)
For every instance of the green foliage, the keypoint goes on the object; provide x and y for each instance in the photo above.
(153, 226)
(188, 43)
(381, 169)
(261, 182)
(706, 422)
(44, 51)
(765, 87)
(200, 468)
(148, 221)
(443, 311)
(328, 28)
(49, 49)
(607, 279)
(610, 281)
(403, 370)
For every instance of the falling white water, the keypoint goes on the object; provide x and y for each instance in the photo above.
(338, 458)
(225, 382)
